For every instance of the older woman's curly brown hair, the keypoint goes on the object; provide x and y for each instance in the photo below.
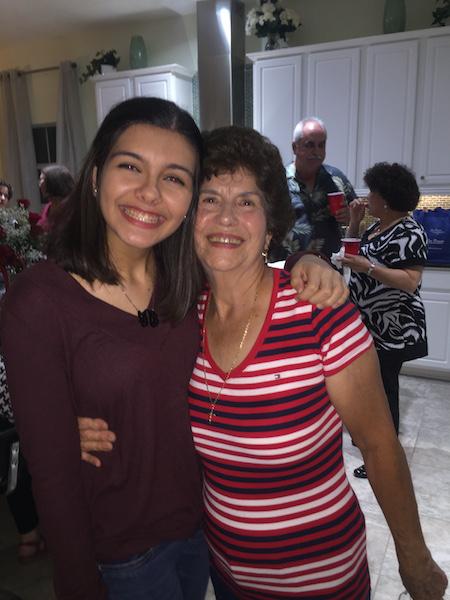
(228, 149)
(395, 183)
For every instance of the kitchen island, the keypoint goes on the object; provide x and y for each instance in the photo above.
(435, 294)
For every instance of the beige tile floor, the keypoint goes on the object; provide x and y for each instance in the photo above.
(425, 435)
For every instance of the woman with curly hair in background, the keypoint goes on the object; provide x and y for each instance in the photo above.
(386, 275)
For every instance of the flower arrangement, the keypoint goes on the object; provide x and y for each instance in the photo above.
(101, 58)
(21, 239)
(271, 18)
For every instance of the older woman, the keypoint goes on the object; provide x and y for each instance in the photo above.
(386, 275)
(273, 383)
(55, 183)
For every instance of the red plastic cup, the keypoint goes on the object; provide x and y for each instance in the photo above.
(351, 245)
(336, 201)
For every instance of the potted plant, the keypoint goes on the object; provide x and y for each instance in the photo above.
(110, 58)
(442, 12)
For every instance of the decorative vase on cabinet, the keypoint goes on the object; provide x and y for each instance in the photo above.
(272, 42)
(138, 52)
(105, 69)
(394, 18)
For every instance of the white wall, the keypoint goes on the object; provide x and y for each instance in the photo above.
(174, 40)
(332, 20)
(168, 41)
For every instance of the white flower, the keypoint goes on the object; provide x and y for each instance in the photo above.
(268, 9)
(16, 233)
(291, 15)
(270, 17)
(250, 24)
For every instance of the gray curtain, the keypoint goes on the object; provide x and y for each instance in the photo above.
(70, 138)
(16, 136)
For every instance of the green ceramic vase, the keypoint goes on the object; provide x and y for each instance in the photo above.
(138, 52)
(394, 18)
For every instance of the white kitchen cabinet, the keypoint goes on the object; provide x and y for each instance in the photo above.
(435, 294)
(389, 103)
(277, 100)
(171, 82)
(433, 160)
(109, 92)
(381, 97)
(332, 92)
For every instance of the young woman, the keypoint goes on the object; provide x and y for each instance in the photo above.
(108, 330)
(123, 261)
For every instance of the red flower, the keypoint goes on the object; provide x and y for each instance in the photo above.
(9, 258)
(23, 203)
(33, 217)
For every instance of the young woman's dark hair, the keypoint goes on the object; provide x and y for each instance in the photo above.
(78, 240)
(228, 149)
(7, 185)
(395, 183)
(59, 182)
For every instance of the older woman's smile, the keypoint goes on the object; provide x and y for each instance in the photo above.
(225, 240)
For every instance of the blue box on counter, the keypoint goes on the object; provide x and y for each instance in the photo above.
(436, 223)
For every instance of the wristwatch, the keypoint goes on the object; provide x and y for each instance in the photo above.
(371, 268)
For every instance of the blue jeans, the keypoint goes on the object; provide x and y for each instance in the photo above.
(221, 589)
(170, 571)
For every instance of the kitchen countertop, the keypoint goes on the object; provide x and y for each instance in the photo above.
(435, 266)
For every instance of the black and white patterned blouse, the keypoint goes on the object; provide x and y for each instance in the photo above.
(5, 400)
(395, 318)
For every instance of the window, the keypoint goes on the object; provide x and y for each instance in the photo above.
(44, 137)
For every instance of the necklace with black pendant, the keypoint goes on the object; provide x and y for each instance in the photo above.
(146, 317)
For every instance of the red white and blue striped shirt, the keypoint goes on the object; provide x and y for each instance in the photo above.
(281, 518)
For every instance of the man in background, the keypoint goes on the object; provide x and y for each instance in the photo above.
(309, 182)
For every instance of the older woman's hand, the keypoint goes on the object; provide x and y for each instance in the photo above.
(424, 580)
(359, 264)
(357, 209)
(317, 282)
(94, 437)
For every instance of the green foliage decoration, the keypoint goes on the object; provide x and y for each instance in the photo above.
(109, 57)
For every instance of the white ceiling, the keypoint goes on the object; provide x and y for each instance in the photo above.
(22, 19)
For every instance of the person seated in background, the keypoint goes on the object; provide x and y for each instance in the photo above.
(6, 193)
(386, 276)
(309, 181)
(55, 183)
(21, 501)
